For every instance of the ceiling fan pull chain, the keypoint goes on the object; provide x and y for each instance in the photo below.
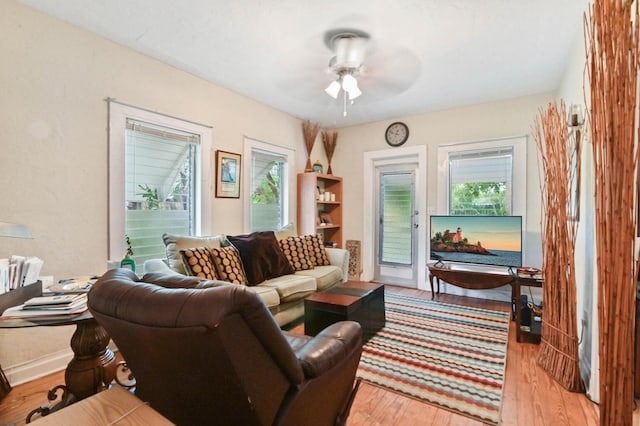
(344, 103)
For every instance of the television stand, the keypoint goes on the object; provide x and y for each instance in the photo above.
(466, 278)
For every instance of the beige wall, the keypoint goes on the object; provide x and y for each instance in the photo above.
(512, 117)
(53, 130)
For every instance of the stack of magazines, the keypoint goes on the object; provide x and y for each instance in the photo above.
(44, 307)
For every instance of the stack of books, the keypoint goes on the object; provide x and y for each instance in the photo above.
(49, 307)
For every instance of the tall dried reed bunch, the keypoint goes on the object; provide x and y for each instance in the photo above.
(309, 132)
(329, 140)
(612, 57)
(560, 161)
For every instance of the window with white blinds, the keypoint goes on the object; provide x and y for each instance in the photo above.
(480, 182)
(159, 180)
(268, 186)
(160, 185)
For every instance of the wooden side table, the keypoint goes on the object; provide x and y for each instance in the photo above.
(352, 301)
(465, 278)
(535, 331)
(93, 366)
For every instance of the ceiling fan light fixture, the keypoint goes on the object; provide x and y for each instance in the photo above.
(333, 89)
(349, 83)
(354, 92)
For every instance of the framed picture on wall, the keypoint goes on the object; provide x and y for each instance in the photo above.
(227, 174)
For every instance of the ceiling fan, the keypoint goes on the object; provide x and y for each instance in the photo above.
(348, 64)
(349, 47)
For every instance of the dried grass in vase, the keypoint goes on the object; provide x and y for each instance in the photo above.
(309, 132)
(329, 140)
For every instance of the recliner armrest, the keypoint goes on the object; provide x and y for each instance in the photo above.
(329, 347)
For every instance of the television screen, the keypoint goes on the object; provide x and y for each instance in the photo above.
(488, 240)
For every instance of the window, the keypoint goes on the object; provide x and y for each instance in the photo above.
(156, 169)
(268, 185)
(483, 178)
(480, 182)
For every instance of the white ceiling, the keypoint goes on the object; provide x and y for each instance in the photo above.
(425, 55)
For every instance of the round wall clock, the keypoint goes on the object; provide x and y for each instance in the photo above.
(397, 133)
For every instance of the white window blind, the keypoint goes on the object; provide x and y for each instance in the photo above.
(160, 186)
(267, 190)
(480, 181)
(481, 166)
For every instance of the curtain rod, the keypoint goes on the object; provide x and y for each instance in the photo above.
(114, 100)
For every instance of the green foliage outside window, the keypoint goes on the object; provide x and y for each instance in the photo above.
(475, 199)
(268, 191)
(151, 196)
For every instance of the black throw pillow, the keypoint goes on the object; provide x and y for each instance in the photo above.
(261, 256)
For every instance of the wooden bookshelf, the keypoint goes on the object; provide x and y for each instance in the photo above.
(311, 209)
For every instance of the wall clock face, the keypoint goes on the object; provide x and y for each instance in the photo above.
(397, 133)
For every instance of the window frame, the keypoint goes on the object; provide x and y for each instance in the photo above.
(519, 171)
(251, 144)
(118, 114)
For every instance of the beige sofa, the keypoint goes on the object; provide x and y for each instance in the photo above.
(283, 294)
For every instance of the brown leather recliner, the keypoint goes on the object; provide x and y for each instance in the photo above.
(208, 352)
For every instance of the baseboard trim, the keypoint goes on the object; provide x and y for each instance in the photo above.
(37, 368)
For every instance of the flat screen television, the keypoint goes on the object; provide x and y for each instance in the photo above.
(485, 240)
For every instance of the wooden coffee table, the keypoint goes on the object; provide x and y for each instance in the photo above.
(351, 301)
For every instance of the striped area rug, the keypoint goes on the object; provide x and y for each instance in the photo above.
(447, 355)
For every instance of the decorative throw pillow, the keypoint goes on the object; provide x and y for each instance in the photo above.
(198, 263)
(261, 256)
(316, 250)
(286, 231)
(228, 265)
(296, 250)
(174, 243)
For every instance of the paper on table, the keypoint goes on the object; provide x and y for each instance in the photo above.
(60, 299)
(18, 312)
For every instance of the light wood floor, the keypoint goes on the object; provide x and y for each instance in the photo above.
(531, 397)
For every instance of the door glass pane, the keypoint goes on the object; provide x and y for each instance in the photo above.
(160, 186)
(396, 218)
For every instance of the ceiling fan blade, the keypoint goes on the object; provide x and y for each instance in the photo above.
(389, 72)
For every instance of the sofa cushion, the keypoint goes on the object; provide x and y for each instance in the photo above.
(286, 231)
(269, 296)
(228, 265)
(197, 262)
(292, 287)
(316, 249)
(325, 276)
(296, 251)
(261, 256)
(174, 243)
